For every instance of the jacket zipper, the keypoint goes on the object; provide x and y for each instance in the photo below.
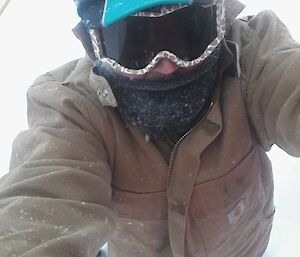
(174, 151)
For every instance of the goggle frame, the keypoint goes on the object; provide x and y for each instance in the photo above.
(113, 64)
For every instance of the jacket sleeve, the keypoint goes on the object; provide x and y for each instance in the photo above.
(56, 199)
(271, 66)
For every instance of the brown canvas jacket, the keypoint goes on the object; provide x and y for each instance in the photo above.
(81, 176)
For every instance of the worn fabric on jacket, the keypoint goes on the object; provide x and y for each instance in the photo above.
(81, 175)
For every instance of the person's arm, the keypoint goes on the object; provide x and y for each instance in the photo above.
(56, 199)
(271, 66)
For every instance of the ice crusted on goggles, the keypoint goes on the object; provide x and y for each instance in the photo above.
(97, 41)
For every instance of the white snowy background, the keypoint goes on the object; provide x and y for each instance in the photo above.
(36, 36)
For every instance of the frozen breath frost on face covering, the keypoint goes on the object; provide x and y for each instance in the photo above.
(166, 107)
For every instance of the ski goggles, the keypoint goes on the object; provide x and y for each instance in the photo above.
(185, 34)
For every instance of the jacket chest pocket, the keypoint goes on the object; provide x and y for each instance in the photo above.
(229, 215)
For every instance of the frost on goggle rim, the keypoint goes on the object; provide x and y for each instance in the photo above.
(221, 30)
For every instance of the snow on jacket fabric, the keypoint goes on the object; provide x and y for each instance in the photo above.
(81, 175)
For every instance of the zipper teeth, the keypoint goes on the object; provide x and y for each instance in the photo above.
(174, 151)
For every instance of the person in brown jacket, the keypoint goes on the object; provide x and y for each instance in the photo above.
(156, 141)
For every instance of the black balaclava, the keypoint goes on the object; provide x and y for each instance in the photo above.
(168, 107)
